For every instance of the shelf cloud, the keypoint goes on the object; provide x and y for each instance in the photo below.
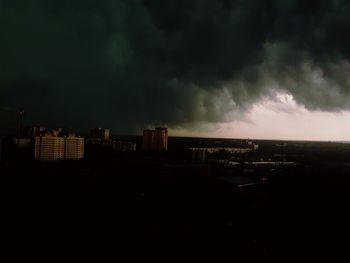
(130, 63)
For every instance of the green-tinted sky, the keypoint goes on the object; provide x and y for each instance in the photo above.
(126, 64)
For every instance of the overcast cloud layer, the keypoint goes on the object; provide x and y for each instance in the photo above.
(130, 63)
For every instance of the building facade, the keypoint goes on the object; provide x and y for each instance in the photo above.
(161, 139)
(122, 146)
(199, 155)
(100, 133)
(155, 140)
(148, 140)
(74, 149)
(50, 148)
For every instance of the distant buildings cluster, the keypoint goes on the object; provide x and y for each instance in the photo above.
(56, 144)
(100, 134)
(200, 154)
(102, 137)
(155, 140)
(44, 144)
(152, 140)
(124, 146)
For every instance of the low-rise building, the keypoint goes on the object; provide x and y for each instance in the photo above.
(122, 146)
(230, 150)
(198, 155)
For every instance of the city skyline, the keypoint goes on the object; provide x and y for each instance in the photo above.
(202, 68)
(251, 125)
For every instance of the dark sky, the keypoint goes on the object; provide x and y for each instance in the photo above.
(126, 64)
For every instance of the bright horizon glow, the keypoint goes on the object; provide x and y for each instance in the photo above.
(281, 119)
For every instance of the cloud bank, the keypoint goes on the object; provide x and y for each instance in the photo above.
(126, 64)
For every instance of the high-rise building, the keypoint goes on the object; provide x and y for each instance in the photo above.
(51, 148)
(74, 149)
(155, 139)
(148, 140)
(48, 148)
(161, 139)
(100, 133)
(106, 134)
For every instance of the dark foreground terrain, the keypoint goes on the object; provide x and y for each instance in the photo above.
(156, 203)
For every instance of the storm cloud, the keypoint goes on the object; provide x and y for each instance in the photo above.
(126, 64)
